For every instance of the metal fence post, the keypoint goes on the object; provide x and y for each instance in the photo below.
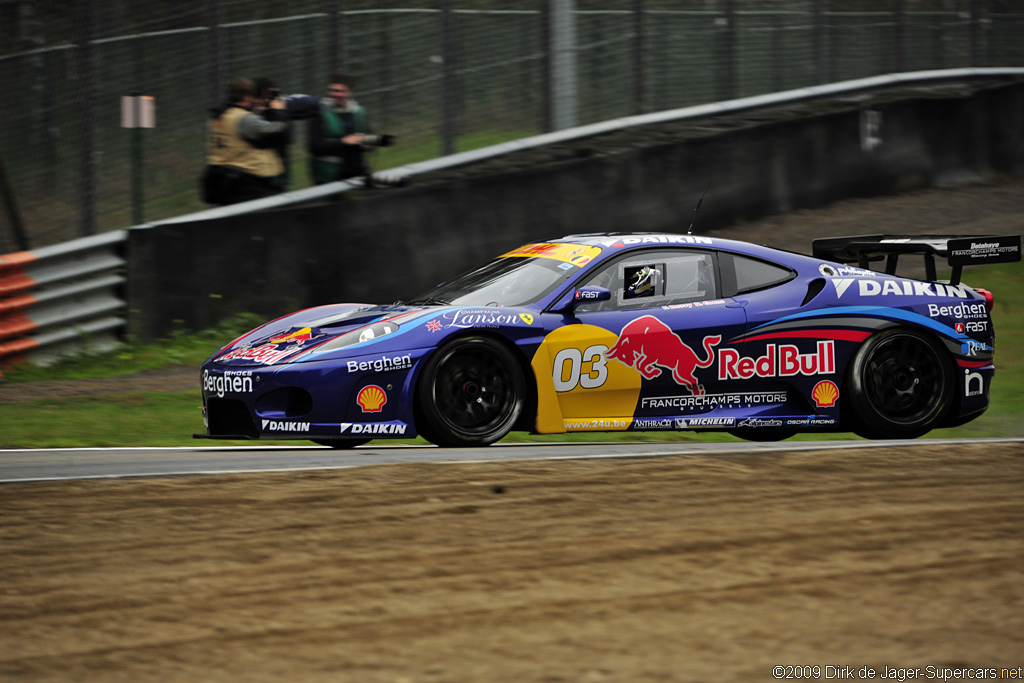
(87, 182)
(638, 57)
(547, 107)
(21, 242)
(138, 168)
(213, 79)
(975, 12)
(333, 40)
(563, 58)
(901, 36)
(818, 41)
(448, 104)
(727, 84)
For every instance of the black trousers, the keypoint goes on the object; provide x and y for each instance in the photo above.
(221, 186)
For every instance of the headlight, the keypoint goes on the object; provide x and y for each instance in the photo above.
(353, 337)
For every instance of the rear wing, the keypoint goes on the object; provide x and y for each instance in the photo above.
(958, 250)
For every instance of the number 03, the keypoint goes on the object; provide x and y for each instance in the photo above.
(594, 378)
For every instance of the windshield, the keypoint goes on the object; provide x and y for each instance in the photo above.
(520, 277)
(502, 282)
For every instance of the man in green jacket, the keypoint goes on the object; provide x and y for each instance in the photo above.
(337, 135)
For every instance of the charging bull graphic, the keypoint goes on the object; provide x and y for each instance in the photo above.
(646, 343)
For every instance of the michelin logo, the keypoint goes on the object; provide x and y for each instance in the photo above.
(707, 422)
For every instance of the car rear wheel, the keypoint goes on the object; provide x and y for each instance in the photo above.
(471, 393)
(340, 443)
(901, 385)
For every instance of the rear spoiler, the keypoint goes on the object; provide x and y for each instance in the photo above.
(958, 250)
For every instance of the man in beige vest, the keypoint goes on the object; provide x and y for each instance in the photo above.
(241, 163)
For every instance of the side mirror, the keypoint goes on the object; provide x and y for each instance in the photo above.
(583, 295)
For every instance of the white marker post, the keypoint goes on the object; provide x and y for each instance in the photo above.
(137, 112)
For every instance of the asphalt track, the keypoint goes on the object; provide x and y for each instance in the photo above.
(99, 463)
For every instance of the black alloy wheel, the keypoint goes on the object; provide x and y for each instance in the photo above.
(471, 393)
(901, 385)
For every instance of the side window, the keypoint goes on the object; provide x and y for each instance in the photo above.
(752, 274)
(655, 278)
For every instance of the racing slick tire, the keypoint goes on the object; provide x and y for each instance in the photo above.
(471, 393)
(340, 443)
(901, 385)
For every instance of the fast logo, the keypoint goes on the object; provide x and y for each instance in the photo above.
(648, 345)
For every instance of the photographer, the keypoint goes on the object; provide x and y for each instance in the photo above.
(240, 166)
(296, 107)
(339, 137)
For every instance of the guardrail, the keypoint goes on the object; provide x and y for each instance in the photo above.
(62, 297)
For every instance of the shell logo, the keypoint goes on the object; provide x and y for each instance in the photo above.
(825, 394)
(371, 399)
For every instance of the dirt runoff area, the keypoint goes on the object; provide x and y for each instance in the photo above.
(687, 568)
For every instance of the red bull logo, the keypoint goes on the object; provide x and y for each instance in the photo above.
(779, 361)
(275, 349)
(649, 345)
(298, 337)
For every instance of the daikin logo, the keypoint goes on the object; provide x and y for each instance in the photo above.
(899, 288)
(657, 239)
(388, 428)
(283, 426)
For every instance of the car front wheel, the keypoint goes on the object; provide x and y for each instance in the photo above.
(901, 385)
(471, 393)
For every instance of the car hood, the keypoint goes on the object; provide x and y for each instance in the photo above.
(289, 338)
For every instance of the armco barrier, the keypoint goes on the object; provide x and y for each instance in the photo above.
(62, 296)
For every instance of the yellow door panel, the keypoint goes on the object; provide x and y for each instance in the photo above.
(578, 388)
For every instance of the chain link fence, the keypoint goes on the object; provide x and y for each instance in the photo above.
(444, 76)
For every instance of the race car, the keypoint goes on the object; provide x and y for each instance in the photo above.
(630, 332)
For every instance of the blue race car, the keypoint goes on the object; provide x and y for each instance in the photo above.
(630, 332)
